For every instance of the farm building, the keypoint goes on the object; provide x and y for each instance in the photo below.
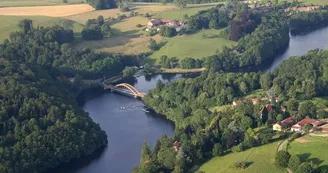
(279, 126)
(300, 125)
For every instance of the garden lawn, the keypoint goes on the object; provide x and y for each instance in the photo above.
(314, 149)
(261, 159)
(201, 44)
(10, 24)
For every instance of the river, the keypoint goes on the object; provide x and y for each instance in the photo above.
(128, 128)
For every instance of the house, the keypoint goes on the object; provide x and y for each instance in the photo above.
(266, 109)
(279, 126)
(176, 145)
(236, 102)
(300, 125)
(154, 23)
(255, 101)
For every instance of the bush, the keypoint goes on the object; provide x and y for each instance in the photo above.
(217, 149)
(282, 158)
(153, 45)
(92, 33)
(294, 136)
(139, 25)
(166, 31)
(238, 148)
(240, 165)
(294, 162)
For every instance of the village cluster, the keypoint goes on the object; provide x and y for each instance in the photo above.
(290, 123)
(157, 23)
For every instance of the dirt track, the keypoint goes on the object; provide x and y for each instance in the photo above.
(53, 11)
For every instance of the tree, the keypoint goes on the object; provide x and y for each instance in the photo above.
(246, 122)
(322, 114)
(152, 45)
(167, 31)
(282, 158)
(307, 108)
(307, 128)
(102, 4)
(304, 168)
(292, 105)
(129, 72)
(25, 25)
(145, 153)
(100, 20)
(180, 3)
(217, 149)
(294, 163)
(65, 1)
(279, 117)
(92, 33)
(106, 30)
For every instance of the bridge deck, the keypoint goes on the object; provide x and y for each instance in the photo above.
(135, 93)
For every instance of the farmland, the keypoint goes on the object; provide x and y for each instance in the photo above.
(10, 24)
(53, 11)
(260, 159)
(311, 148)
(201, 44)
(16, 3)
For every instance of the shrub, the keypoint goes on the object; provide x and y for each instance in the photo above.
(282, 158)
(294, 162)
(139, 25)
(240, 165)
(238, 148)
(294, 136)
(166, 31)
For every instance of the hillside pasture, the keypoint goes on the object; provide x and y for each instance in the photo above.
(52, 11)
(259, 159)
(10, 24)
(21, 3)
(314, 2)
(199, 45)
(311, 148)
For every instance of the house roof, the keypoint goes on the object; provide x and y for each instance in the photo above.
(155, 22)
(255, 100)
(268, 107)
(166, 21)
(307, 120)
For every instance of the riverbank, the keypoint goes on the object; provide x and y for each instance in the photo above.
(180, 70)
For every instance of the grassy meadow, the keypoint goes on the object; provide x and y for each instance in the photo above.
(201, 44)
(179, 13)
(314, 2)
(17, 3)
(260, 159)
(10, 24)
(311, 148)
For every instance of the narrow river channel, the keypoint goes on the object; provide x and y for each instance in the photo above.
(127, 128)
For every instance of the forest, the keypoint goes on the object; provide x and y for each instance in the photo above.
(51, 47)
(308, 21)
(203, 134)
(41, 125)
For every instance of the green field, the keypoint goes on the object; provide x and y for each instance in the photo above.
(10, 24)
(261, 159)
(201, 44)
(315, 2)
(179, 13)
(16, 3)
(311, 149)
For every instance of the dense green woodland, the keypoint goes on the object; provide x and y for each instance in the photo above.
(40, 124)
(307, 21)
(50, 47)
(204, 134)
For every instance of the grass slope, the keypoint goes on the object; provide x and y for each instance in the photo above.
(261, 159)
(201, 44)
(313, 149)
(314, 2)
(18, 3)
(179, 13)
(10, 24)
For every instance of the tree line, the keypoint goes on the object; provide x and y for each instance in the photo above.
(307, 21)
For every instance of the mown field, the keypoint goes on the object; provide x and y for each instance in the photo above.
(16, 3)
(199, 45)
(179, 13)
(260, 159)
(10, 24)
(53, 11)
(315, 2)
(311, 148)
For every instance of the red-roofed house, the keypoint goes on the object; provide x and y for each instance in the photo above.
(284, 124)
(176, 145)
(154, 23)
(266, 109)
(299, 126)
(236, 102)
(255, 101)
